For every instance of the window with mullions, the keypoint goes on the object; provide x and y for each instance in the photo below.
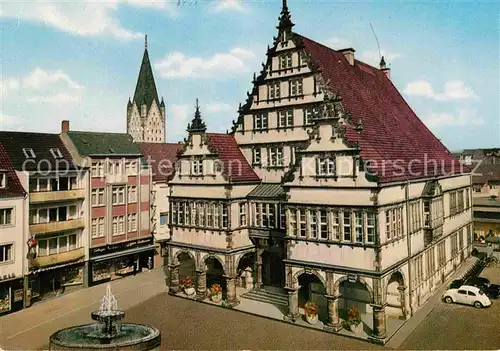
(285, 118)
(359, 226)
(347, 226)
(260, 121)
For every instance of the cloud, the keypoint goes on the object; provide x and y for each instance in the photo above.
(81, 18)
(229, 5)
(217, 107)
(60, 98)
(8, 85)
(179, 118)
(40, 79)
(453, 90)
(10, 122)
(373, 57)
(336, 43)
(463, 117)
(178, 65)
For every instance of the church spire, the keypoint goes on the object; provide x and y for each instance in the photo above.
(285, 20)
(197, 125)
(145, 90)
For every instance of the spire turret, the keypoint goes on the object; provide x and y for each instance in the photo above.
(285, 20)
(145, 90)
(197, 125)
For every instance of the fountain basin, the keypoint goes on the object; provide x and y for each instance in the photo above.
(132, 336)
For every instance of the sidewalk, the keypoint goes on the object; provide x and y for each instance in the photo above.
(397, 339)
(30, 328)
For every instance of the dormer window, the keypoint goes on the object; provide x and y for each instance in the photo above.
(326, 166)
(29, 153)
(56, 153)
(3, 180)
(197, 168)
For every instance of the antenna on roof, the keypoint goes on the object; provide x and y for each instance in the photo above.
(378, 45)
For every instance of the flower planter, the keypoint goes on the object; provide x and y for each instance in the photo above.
(356, 328)
(312, 318)
(216, 297)
(189, 291)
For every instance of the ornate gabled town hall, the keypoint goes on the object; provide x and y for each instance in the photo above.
(328, 189)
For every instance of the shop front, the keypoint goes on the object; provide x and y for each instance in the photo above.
(11, 295)
(116, 261)
(50, 282)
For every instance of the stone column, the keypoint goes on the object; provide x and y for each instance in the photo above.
(333, 324)
(201, 285)
(174, 279)
(293, 305)
(402, 297)
(379, 331)
(232, 300)
(258, 283)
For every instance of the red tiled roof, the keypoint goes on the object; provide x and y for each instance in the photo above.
(14, 187)
(392, 134)
(236, 166)
(162, 158)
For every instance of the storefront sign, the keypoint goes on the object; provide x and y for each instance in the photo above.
(119, 247)
(18, 295)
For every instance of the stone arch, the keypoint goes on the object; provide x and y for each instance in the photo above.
(240, 257)
(187, 252)
(203, 260)
(395, 295)
(295, 277)
(312, 287)
(336, 286)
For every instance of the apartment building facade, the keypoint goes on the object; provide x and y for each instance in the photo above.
(119, 193)
(161, 158)
(13, 221)
(329, 189)
(56, 240)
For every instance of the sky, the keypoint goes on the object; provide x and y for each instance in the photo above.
(79, 60)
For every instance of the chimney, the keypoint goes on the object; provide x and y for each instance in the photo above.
(349, 55)
(383, 68)
(64, 126)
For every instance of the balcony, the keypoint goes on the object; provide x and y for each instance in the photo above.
(53, 227)
(54, 196)
(63, 257)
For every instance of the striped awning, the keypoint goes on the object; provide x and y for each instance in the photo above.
(123, 253)
(44, 269)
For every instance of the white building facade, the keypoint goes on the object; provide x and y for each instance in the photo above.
(328, 189)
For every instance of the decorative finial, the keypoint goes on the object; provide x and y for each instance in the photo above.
(285, 19)
(197, 106)
(382, 63)
(197, 125)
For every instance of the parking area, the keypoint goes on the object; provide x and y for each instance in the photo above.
(458, 326)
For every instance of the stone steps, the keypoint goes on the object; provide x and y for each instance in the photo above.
(262, 295)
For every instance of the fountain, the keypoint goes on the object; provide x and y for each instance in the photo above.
(107, 333)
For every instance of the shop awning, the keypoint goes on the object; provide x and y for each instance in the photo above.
(55, 267)
(123, 253)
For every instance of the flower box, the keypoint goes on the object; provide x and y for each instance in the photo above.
(188, 286)
(311, 312)
(216, 293)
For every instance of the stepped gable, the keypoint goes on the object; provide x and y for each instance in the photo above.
(392, 134)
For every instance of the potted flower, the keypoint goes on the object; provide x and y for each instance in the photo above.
(188, 286)
(311, 312)
(354, 320)
(216, 293)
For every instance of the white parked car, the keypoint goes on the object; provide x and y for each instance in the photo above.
(467, 295)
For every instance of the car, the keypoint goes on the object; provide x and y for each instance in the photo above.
(456, 283)
(467, 295)
(492, 290)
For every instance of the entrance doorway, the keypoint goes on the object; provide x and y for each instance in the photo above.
(273, 269)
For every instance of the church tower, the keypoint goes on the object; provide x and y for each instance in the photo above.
(146, 115)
